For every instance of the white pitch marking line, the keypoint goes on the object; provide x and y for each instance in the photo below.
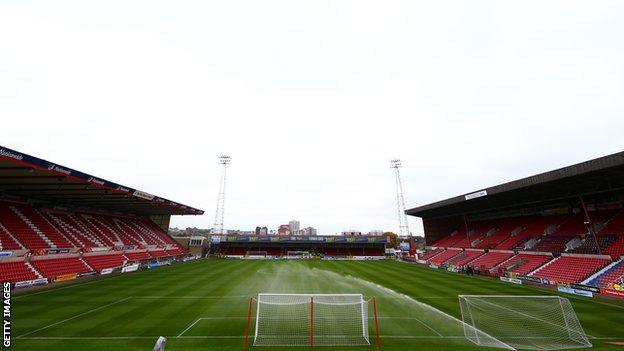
(231, 318)
(411, 318)
(242, 317)
(208, 318)
(87, 337)
(47, 290)
(427, 326)
(189, 327)
(416, 297)
(211, 337)
(242, 336)
(192, 297)
(247, 296)
(76, 316)
(529, 316)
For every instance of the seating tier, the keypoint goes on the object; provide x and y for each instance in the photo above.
(16, 272)
(101, 262)
(53, 267)
(570, 269)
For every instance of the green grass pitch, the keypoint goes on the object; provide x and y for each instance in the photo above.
(202, 305)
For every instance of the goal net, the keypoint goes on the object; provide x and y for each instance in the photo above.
(256, 254)
(311, 320)
(298, 254)
(524, 322)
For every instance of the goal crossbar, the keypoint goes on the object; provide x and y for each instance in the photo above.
(268, 294)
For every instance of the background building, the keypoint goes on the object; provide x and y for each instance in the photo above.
(262, 231)
(308, 231)
(294, 226)
(283, 229)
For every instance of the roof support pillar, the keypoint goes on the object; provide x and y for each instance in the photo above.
(590, 225)
(466, 228)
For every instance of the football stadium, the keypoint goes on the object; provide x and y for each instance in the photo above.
(530, 264)
(400, 175)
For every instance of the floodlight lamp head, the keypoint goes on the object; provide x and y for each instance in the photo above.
(224, 159)
(395, 163)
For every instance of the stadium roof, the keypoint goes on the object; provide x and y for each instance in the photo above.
(591, 178)
(32, 178)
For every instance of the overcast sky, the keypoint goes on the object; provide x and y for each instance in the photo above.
(311, 98)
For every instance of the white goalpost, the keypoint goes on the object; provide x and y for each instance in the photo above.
(310, 320)
(298, 255)
(256, 254)
(523, 322)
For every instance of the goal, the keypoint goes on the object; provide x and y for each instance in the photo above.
(256, 254)
(298, 255)
(524, 322)
(311, 320)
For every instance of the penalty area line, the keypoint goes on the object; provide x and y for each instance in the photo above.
(206, 318)
(74, 317)
(189, 327)
(189, 297)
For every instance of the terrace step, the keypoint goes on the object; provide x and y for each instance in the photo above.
(33, 269)
(32, 226)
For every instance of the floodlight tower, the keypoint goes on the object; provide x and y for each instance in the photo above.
(224, 161)
(403, 227)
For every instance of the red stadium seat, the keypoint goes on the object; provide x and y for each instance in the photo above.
(524, 263)
(444, 256)
(430, 254)
(490, 260)
(55, 237)
(25, 227)
(17, 271)
(137, 256)
(570, 269)
(53, 267)
(464, 258)
(100, 262)
(20, 229)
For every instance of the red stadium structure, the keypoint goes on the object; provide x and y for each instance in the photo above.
(563, 227)
(366, 247)
(57, 223)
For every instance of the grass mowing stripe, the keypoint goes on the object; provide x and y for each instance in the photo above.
(121, 285)
(389, 276)
(168, 299)
(193, 297)
(242, 336)
(189, 327)
(54, 289)
(526, 315)
(545, 290)
(76, 316)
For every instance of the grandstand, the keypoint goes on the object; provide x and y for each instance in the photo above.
(53, 230)
(330, 247)
(61, 234)
(561, 227)
(57, 223)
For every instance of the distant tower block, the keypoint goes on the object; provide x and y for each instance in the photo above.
(224, 161)
(403, 227)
